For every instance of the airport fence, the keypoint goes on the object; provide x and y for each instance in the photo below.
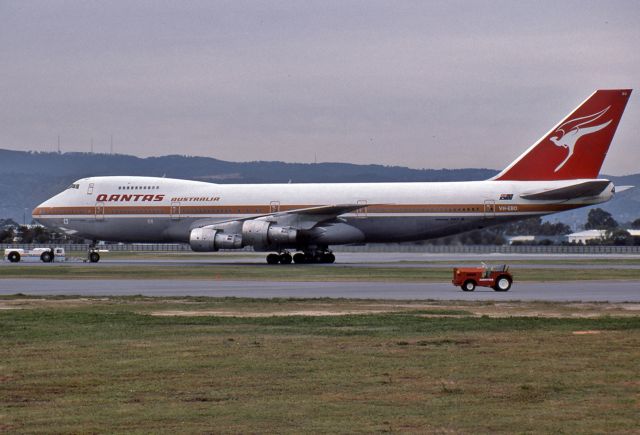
(118, 247)
(492, 249)
(427, 249)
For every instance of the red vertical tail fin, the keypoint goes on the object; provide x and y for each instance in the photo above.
(577, 146)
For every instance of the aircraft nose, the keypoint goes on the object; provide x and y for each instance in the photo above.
(37, 212)
(40, 211)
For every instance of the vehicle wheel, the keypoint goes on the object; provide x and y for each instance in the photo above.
(94, 257)
(46, 257)
(285, 259)
(503, 284)
(469, 285)
(13, 257)
(273, 259)
(299, 258)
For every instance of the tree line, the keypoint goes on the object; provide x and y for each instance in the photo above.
(547, 233)
(11, 231)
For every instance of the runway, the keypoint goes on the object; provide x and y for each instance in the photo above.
(587, 291)
(578, 291)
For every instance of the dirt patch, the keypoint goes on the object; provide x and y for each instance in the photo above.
(497, 310)
(535, 309)
(586, 332)
(630, 307)
(342, 308)
(18, 304)
(313, 313)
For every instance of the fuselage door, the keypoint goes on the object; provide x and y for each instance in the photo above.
(274, 206)
(489, 208)
(100, 211)
(90, 189)
(362, 212)
(175, 210)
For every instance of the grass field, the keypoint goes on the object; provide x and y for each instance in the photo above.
(187, 365)
(260, 272)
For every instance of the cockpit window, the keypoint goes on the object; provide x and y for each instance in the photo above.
(74, 186)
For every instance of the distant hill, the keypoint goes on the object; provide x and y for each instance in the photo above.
(28, 178)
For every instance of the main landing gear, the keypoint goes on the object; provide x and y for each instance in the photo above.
(283, 258)
(307, 257)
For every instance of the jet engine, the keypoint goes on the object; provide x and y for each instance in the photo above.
(208, 239)
(262, 235)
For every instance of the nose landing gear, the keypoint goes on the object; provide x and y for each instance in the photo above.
(92, 253)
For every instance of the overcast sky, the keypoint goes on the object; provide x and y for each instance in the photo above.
(413, 83)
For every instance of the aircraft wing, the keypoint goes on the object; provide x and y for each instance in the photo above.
(305, 218)
(579, 190)
(301, 218)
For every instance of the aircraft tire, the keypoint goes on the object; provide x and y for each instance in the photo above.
(94, 257)
(285, 259)
(329, 258)
(273, 259)
(14, 257)
(469, 285)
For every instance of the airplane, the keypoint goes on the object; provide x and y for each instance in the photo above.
(557, 173)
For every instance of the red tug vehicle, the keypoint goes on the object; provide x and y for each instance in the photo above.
(497, 277)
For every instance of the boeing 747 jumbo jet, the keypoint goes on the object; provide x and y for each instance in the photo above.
(557, 173)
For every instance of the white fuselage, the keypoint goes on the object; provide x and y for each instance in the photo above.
(147, 209)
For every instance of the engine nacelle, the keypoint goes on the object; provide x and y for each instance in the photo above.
(262, 235)
(208, 239)
(265, 235)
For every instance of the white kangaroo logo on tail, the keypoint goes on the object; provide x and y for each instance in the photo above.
(568, 133)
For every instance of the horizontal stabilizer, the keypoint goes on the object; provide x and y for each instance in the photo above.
(620, 189)
(579, 190)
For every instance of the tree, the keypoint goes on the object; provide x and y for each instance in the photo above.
(523, 227)
(557, 229)
(25, 234)
(598, 219)
(636, 224)
(8, 223)
(535, 227)
(619, 237)
(6, 235)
